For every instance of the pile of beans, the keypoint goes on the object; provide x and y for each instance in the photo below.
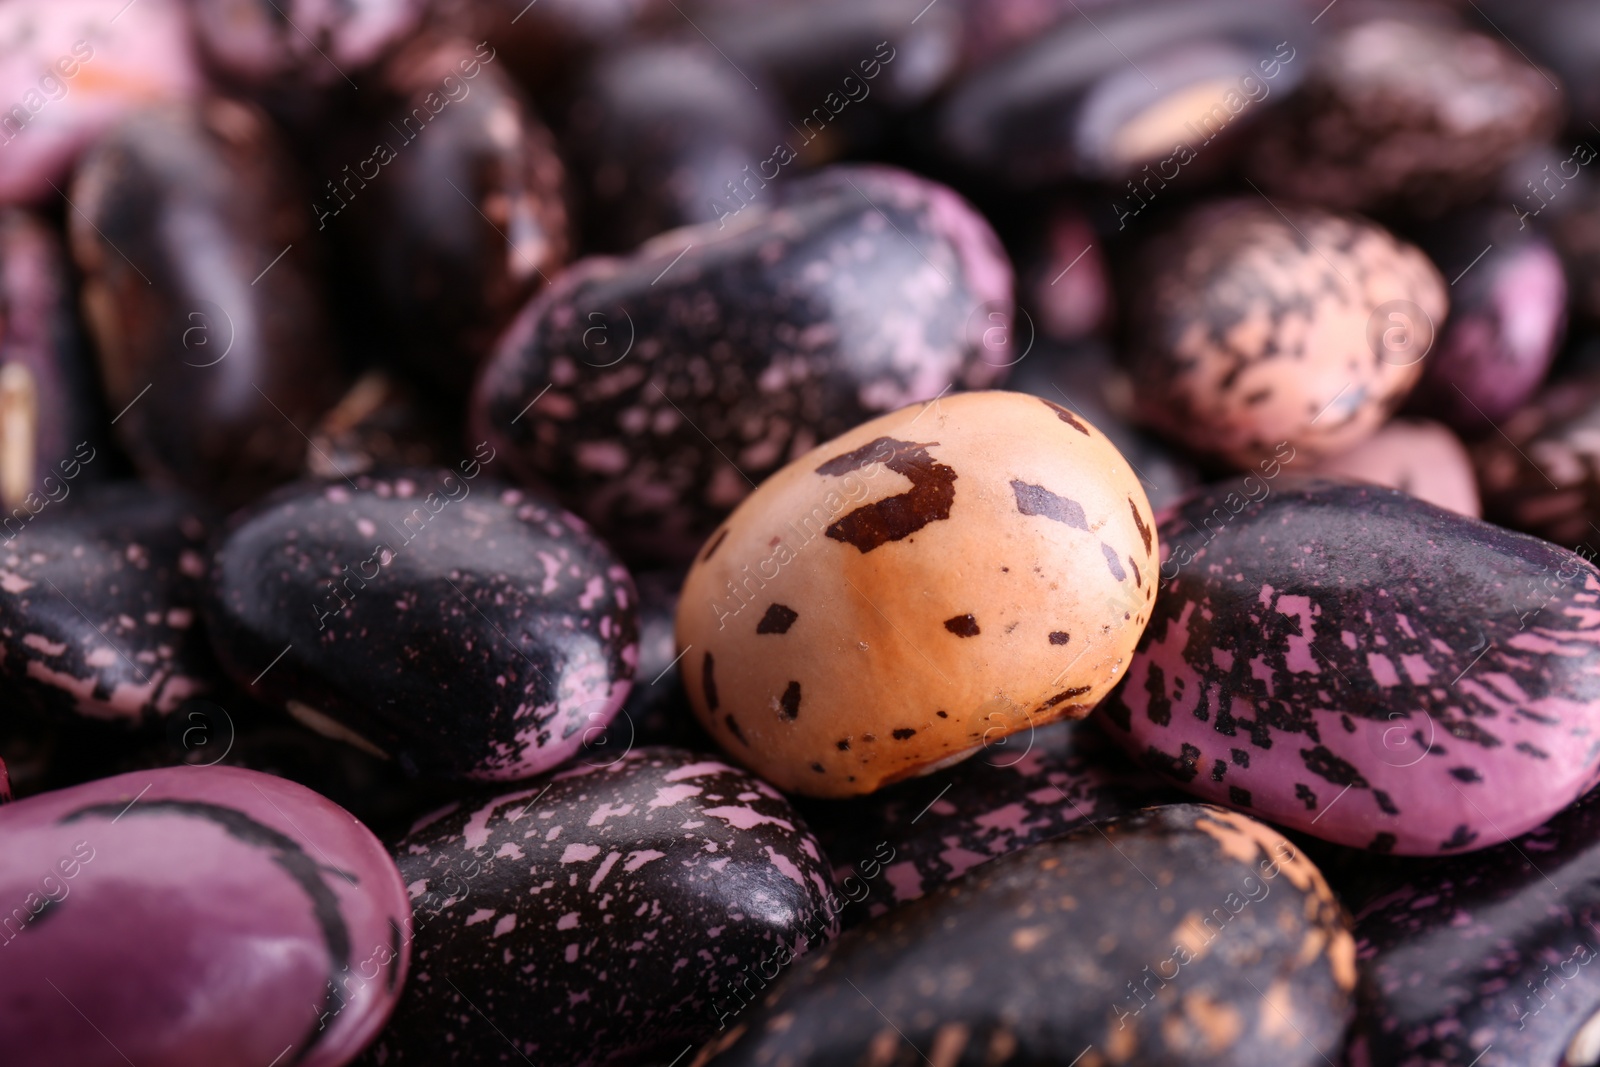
(759, 532)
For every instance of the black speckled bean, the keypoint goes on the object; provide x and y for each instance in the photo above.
(467, 629)
(602, 912)
(1180, 935)
(98, 606)
(660, 132)
(1488, 959)
(677, 384)
(1404, 108)
(1313, 639)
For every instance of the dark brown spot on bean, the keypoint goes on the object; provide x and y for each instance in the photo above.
(1037, 500)
(789, 703)
(709, 682)
(1144, 531)
(896, 517)
(777, 620)
(817, 767)
(1066, 416)
(962, 626)
(942, 714)
(1138, 580)
(1059, 697)
(903, 733)
(844, 744)
(716, 543)
(1059, 637)
(733, 728)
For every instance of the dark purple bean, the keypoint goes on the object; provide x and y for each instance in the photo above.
(194, 915)
(1508, 312)
(1066, 106)
(663, 134)
(98, 606)
(1541, 472)
(680, 376)
(827, 58)
(1314, 639)
(200, 292)
(455, 211)
(1210, 922)
(463, 628)
(1405, 110)
(602, 913)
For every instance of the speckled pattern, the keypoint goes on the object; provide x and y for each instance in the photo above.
(467, 629)
(604, 911)
(1543, 475)
(905, 840)
(1181, 935)
(926, 583)
(1395, 112)
(1329, 640)
(1250, 328)
(1490, 956)
(676, 385)
(196, 915)
(99, 599)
